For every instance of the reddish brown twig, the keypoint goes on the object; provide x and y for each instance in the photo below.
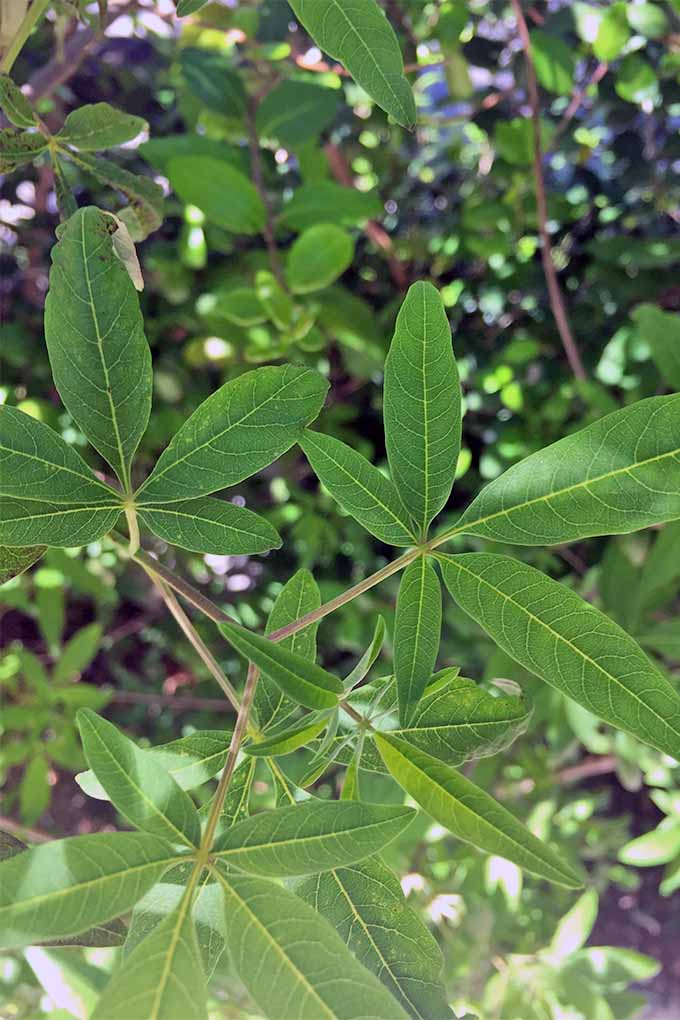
(257, 177)
(374, 231)
(556, 300)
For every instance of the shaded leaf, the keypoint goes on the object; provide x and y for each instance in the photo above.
(78, 653)
(15, 105)
(210, 525)
(211, 77)
(145, 211)
(100, 126)
(327, 202)
(19, 147)
(14, 560)
(361, 37)
(287, 738)
(318, 257)
(302, 839)
(417, 629)
(95, 337)
(27, 521)
(357, 901)
(224, 194)
(271, 931)
(299, 595)
(295, 112)
(162, 978)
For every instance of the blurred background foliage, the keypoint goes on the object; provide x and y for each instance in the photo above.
(355, 209)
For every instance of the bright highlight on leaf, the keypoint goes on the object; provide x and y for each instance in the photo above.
(469, 812)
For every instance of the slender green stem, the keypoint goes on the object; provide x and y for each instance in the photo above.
(240, 730)
(30, 20)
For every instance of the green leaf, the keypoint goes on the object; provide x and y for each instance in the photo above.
(637, 81)
(138, 786)
(617, 475)
(211, 525)
(270, 931)
(422, 405)
(301, 680)
(165, 897)
(361, 37)
(95, 337)
(69, 885)
(243, 427)
(100, 126)
(660, 846)
(327, 202)
(661, 330)
(27, 521)
(295, 112)
(648, 19)
(469, 812)
(318, 257)
(212, 78)
(145, 211)
(159, 151)
(359, 487)
(190, 761)
(241, 306)
(573, 930)
(225, 195)
(613, 33)
(237, 801)
(300, 595)
(38, 465)
(459, 721)
(105, 935)
(614, 966)
(302, 839)
(15, 105)
(287, 738)
(555, 62)
(162, 978)
(34, 790)
(417, 628)
(368, 658)
(185, 7)
(10, 846)
(571, 645)
(14, 560)
(19, 147)
(366, 907)
(78, 653)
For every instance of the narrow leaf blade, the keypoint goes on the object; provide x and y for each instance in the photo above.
(403, 954)
(568, 643)
(27, 521)
(620, 474)
(163, 978)
(137, 785)
(243, 427)
(300, 595)
(303, 681)
(422, 405)
(271, 931)
(361, 37)
(469, 812)
(417, 629)
(100, 359)
(312, 836)
(210, 525)
(359, 487)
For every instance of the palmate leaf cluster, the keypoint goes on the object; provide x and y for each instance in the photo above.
(298, 898)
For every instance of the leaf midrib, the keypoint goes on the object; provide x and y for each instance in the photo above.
(125, 479)
(458, 805)
(330, 1014)
(304, 840)
(466, 528)
(155, 477)
(566, 641)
